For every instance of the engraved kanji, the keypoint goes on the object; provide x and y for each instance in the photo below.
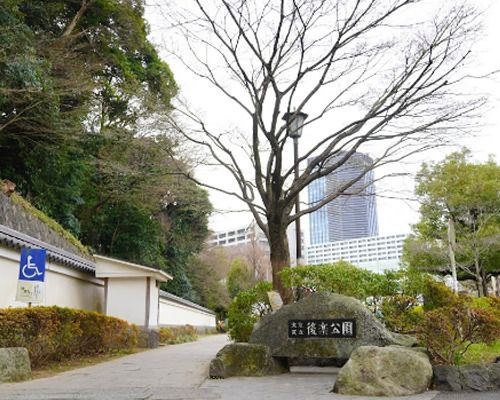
(335, 328)
(347, 328)
(311, 329)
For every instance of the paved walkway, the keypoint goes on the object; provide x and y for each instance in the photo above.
(179, 373)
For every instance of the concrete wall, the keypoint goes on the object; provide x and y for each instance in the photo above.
(126, 299)
(174, 313)
(64, 286)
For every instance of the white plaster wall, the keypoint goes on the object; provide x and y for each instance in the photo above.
(71, 291)
(153, 303)
(172, 313)
(9, 270)
(126, 299)
(64, 286)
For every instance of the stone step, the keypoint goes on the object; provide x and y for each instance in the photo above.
(306, 369)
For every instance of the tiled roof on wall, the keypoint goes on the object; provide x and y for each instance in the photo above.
(19, 215)
(21, 228)
(180, 300)
(13, 239)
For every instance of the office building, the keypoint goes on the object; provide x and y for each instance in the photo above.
(349, 216)
(250, 239)
(376, 253)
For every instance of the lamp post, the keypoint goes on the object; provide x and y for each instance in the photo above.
(295, 123)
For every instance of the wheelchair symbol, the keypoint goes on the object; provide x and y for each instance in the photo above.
(30, 270)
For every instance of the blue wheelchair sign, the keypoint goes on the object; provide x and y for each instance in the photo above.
(32, 266)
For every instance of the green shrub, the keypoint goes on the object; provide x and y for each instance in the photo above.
(491, 304)
(56, 333)
(178, 334)
(246, 309)
(401, 313)
(341, 277)
(437, 294)
(448, 332)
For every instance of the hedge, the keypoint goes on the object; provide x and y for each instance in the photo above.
(177, 334)
(56, 333)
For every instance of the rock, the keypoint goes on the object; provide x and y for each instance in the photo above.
(446, 377)
(272, 329)
(384, 371)
(244, 359)
(478, 378)
(14, 364)
(494, 372)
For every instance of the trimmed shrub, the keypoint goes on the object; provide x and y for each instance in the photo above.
(401, 313)
(448, 332)
(57, 333)
(246, 309)
(341, 277)
(177, 334)
(437, 294)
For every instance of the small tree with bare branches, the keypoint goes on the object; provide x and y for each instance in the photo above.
(371, 73)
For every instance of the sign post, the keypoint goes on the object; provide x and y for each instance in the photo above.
(322, 328)
(30, 285)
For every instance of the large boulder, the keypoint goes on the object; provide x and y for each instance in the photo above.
(244, 359)
(14, 364)
(385, 371)
(272, 329)
(477, 378)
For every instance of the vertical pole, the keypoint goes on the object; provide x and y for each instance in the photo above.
(148, 301)
(451, 251)
(298, 238)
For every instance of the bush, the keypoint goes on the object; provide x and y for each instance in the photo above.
(246, 309)
(178, 334)
(56, 333)
(437, 294)
(341, 277)
(401, 313)
(448, 332)
(491, 304)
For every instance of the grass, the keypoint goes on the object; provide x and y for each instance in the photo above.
(481, 353)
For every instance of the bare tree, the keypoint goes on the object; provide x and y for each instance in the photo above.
(390, 80)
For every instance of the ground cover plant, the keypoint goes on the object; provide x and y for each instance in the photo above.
(56, 333)
(177, 334)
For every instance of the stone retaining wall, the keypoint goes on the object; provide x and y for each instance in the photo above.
(478, 378)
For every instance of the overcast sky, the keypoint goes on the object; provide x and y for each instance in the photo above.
(395, 215)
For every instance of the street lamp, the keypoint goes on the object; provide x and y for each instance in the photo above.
(294, 125)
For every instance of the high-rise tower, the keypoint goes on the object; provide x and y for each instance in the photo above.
(348, 216)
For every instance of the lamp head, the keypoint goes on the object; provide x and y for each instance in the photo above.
(295, 123)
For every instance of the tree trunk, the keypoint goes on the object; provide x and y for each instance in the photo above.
(479, 278)
(451, 253)
(280, 258)
(72, 25)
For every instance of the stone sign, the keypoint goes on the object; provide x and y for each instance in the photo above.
(333, 326)
(322, 328)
